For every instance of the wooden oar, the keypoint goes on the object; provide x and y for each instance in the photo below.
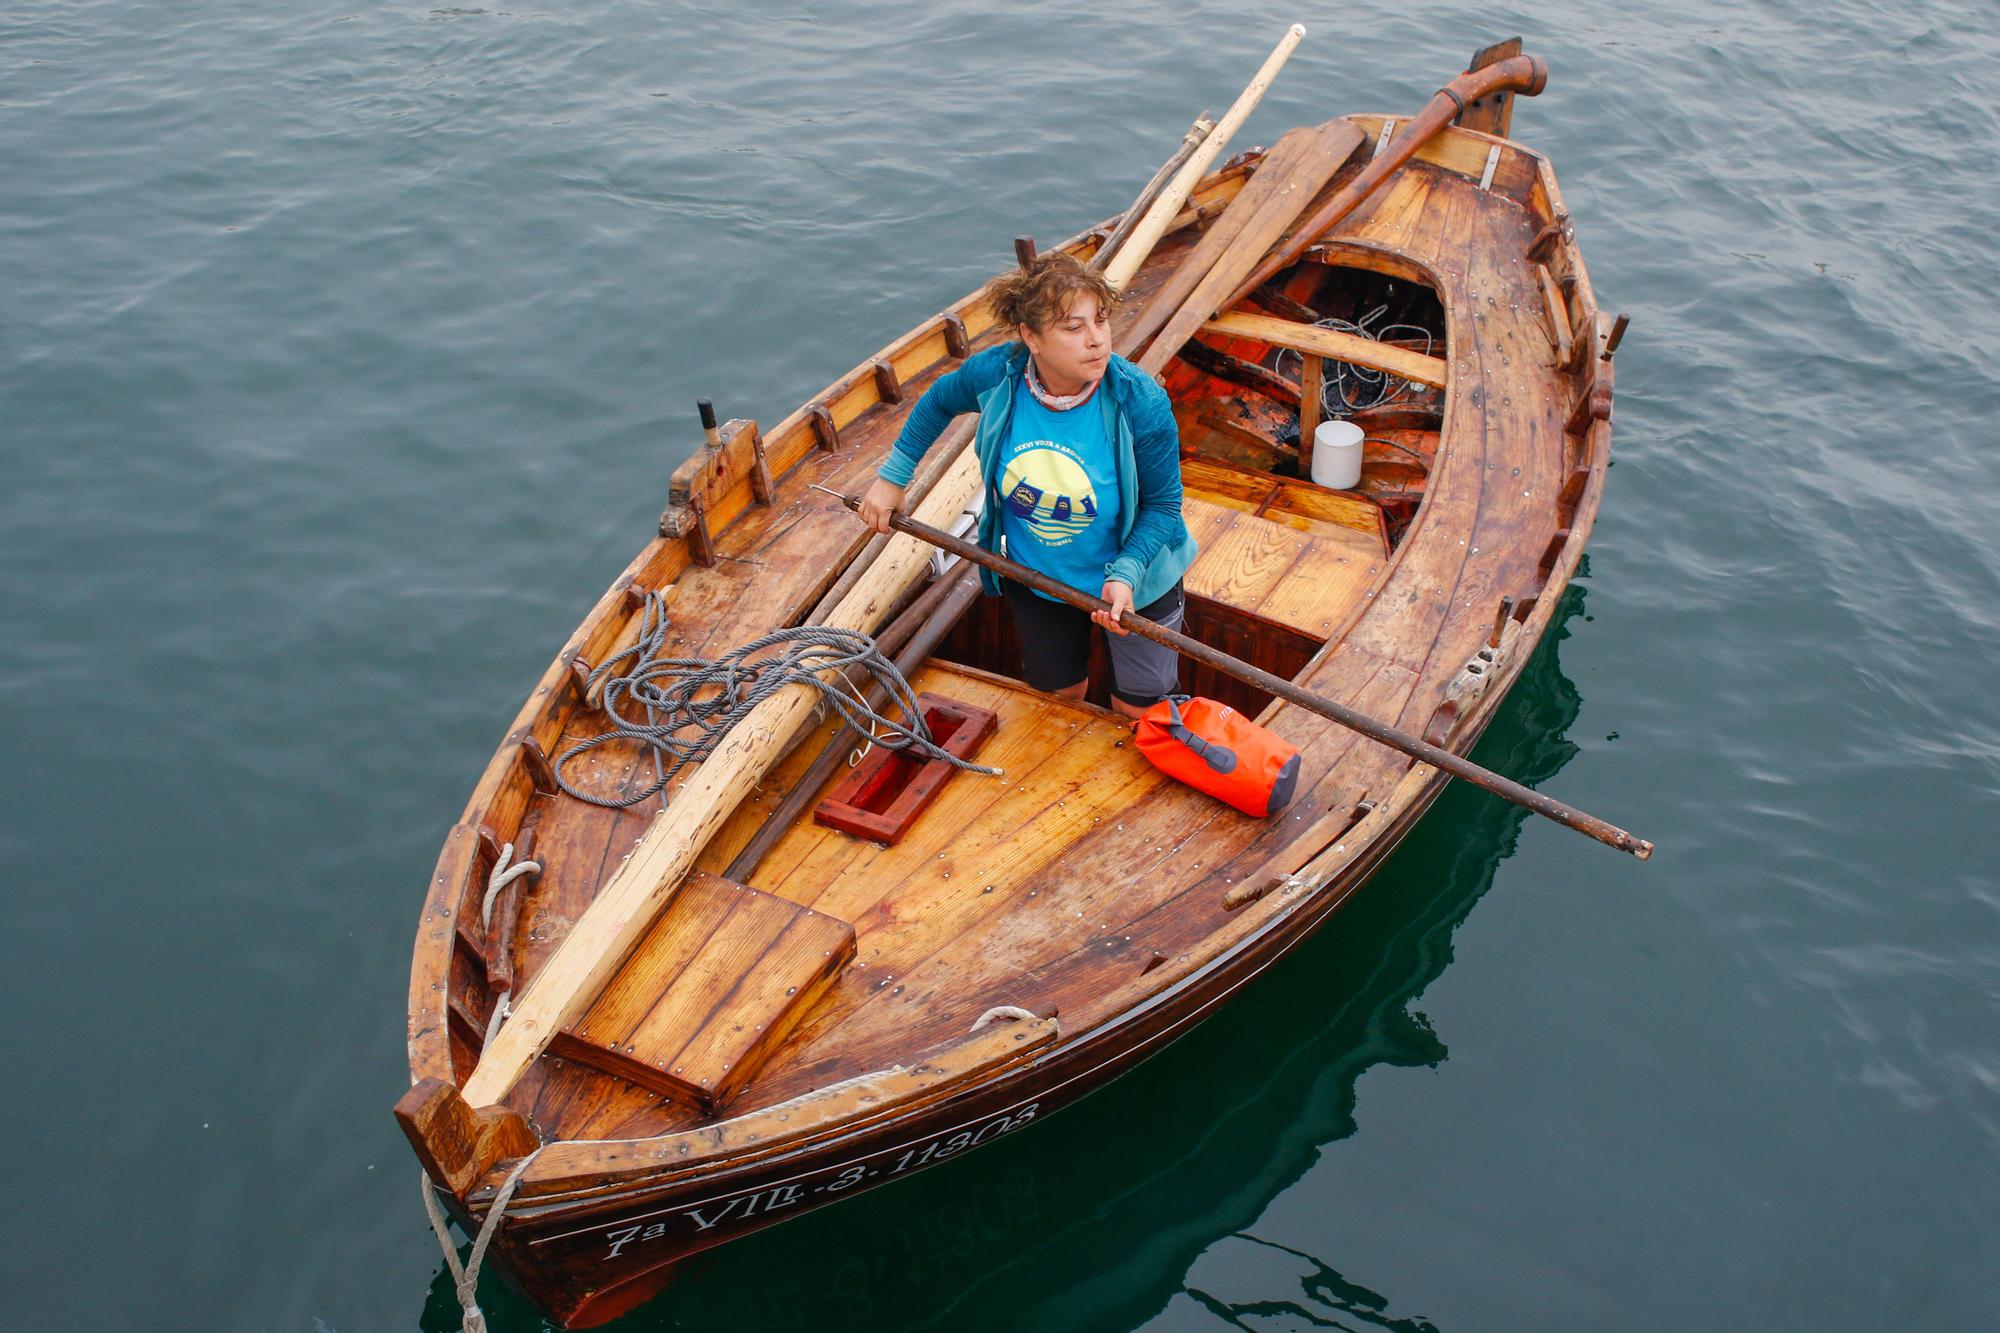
(943, 456)
(1292, 174)
(1147, 234)
(1521, 74)
(1129, 223)
(1437, 757)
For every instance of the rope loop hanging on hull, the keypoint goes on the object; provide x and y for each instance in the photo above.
(465, 1276)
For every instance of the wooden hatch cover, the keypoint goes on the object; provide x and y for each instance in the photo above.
(711, 990)
(889, 789)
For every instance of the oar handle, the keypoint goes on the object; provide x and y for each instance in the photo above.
(1144, 203)
(1168, 203)
(1417, 748)
(1521, 74)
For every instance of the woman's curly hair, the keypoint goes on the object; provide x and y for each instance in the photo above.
(1043, 292)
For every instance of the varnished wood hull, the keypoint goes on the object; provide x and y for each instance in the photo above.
(591, 1264)
(625, 1190)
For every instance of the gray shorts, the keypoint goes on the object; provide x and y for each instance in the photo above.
(1055, 646)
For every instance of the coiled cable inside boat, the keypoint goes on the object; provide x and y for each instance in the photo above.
(691, 703)
(1349, 388)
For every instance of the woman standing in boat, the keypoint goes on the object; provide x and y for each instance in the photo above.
(1081, 461)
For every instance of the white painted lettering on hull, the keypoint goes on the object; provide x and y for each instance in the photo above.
(832, 1180)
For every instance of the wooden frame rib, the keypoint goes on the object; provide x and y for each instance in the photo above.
(1313, 340)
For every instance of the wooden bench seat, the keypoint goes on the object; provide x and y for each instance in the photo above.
(1298, 504)
(1290, 552)
(711, 990)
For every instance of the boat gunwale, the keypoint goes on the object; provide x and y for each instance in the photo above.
(543, 1194)
(1311, 909)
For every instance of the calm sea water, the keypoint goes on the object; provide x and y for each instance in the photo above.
(343, 359)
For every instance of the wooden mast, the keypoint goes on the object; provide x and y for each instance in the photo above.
(1198, 131)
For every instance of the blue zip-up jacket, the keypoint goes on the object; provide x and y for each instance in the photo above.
(1154, 545)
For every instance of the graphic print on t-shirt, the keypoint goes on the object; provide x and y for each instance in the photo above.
(1048, 490)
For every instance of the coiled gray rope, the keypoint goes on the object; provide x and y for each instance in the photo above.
(465, 1277)
(682, 727)
(1349, 388)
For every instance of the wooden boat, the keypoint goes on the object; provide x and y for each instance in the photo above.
(829, 1012)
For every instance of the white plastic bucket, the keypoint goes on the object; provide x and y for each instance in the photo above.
(1336, 455)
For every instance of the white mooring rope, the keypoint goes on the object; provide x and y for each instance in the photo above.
(503, 875)
(465, 1278)
(1009, 1013)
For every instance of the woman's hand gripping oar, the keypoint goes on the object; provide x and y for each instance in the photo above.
(1608, 834)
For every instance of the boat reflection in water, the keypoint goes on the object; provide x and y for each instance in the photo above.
(1094, 1221)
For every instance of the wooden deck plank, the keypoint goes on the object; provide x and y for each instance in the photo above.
(745, 984)
(1306, 580)
(845, 877)
(1399, 210)
(812, 861)
(656, 966)
(1242, 566)
(1412, 608)
(1338, 508)
(1296, 504)
(978, 837)
(960, 868)
(1230, 487)
(1311, 527)
(984, 867)
(1207, 523)
(1331, 575)
(1487, 506)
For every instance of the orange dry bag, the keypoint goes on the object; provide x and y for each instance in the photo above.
(1211, 746)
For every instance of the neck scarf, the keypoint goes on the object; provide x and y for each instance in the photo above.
(1057, 402)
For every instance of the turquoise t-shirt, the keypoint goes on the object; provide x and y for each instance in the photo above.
(1059, 485)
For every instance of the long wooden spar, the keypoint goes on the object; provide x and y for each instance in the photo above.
(1202, 127)
(1436, 756)
(1154, 224)
(598, 944)
(1522, 74)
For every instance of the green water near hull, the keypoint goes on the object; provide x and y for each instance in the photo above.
(343, 359)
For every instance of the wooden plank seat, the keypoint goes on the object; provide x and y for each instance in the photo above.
(1298, 504)
(1303, 580)
(659, 1023)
